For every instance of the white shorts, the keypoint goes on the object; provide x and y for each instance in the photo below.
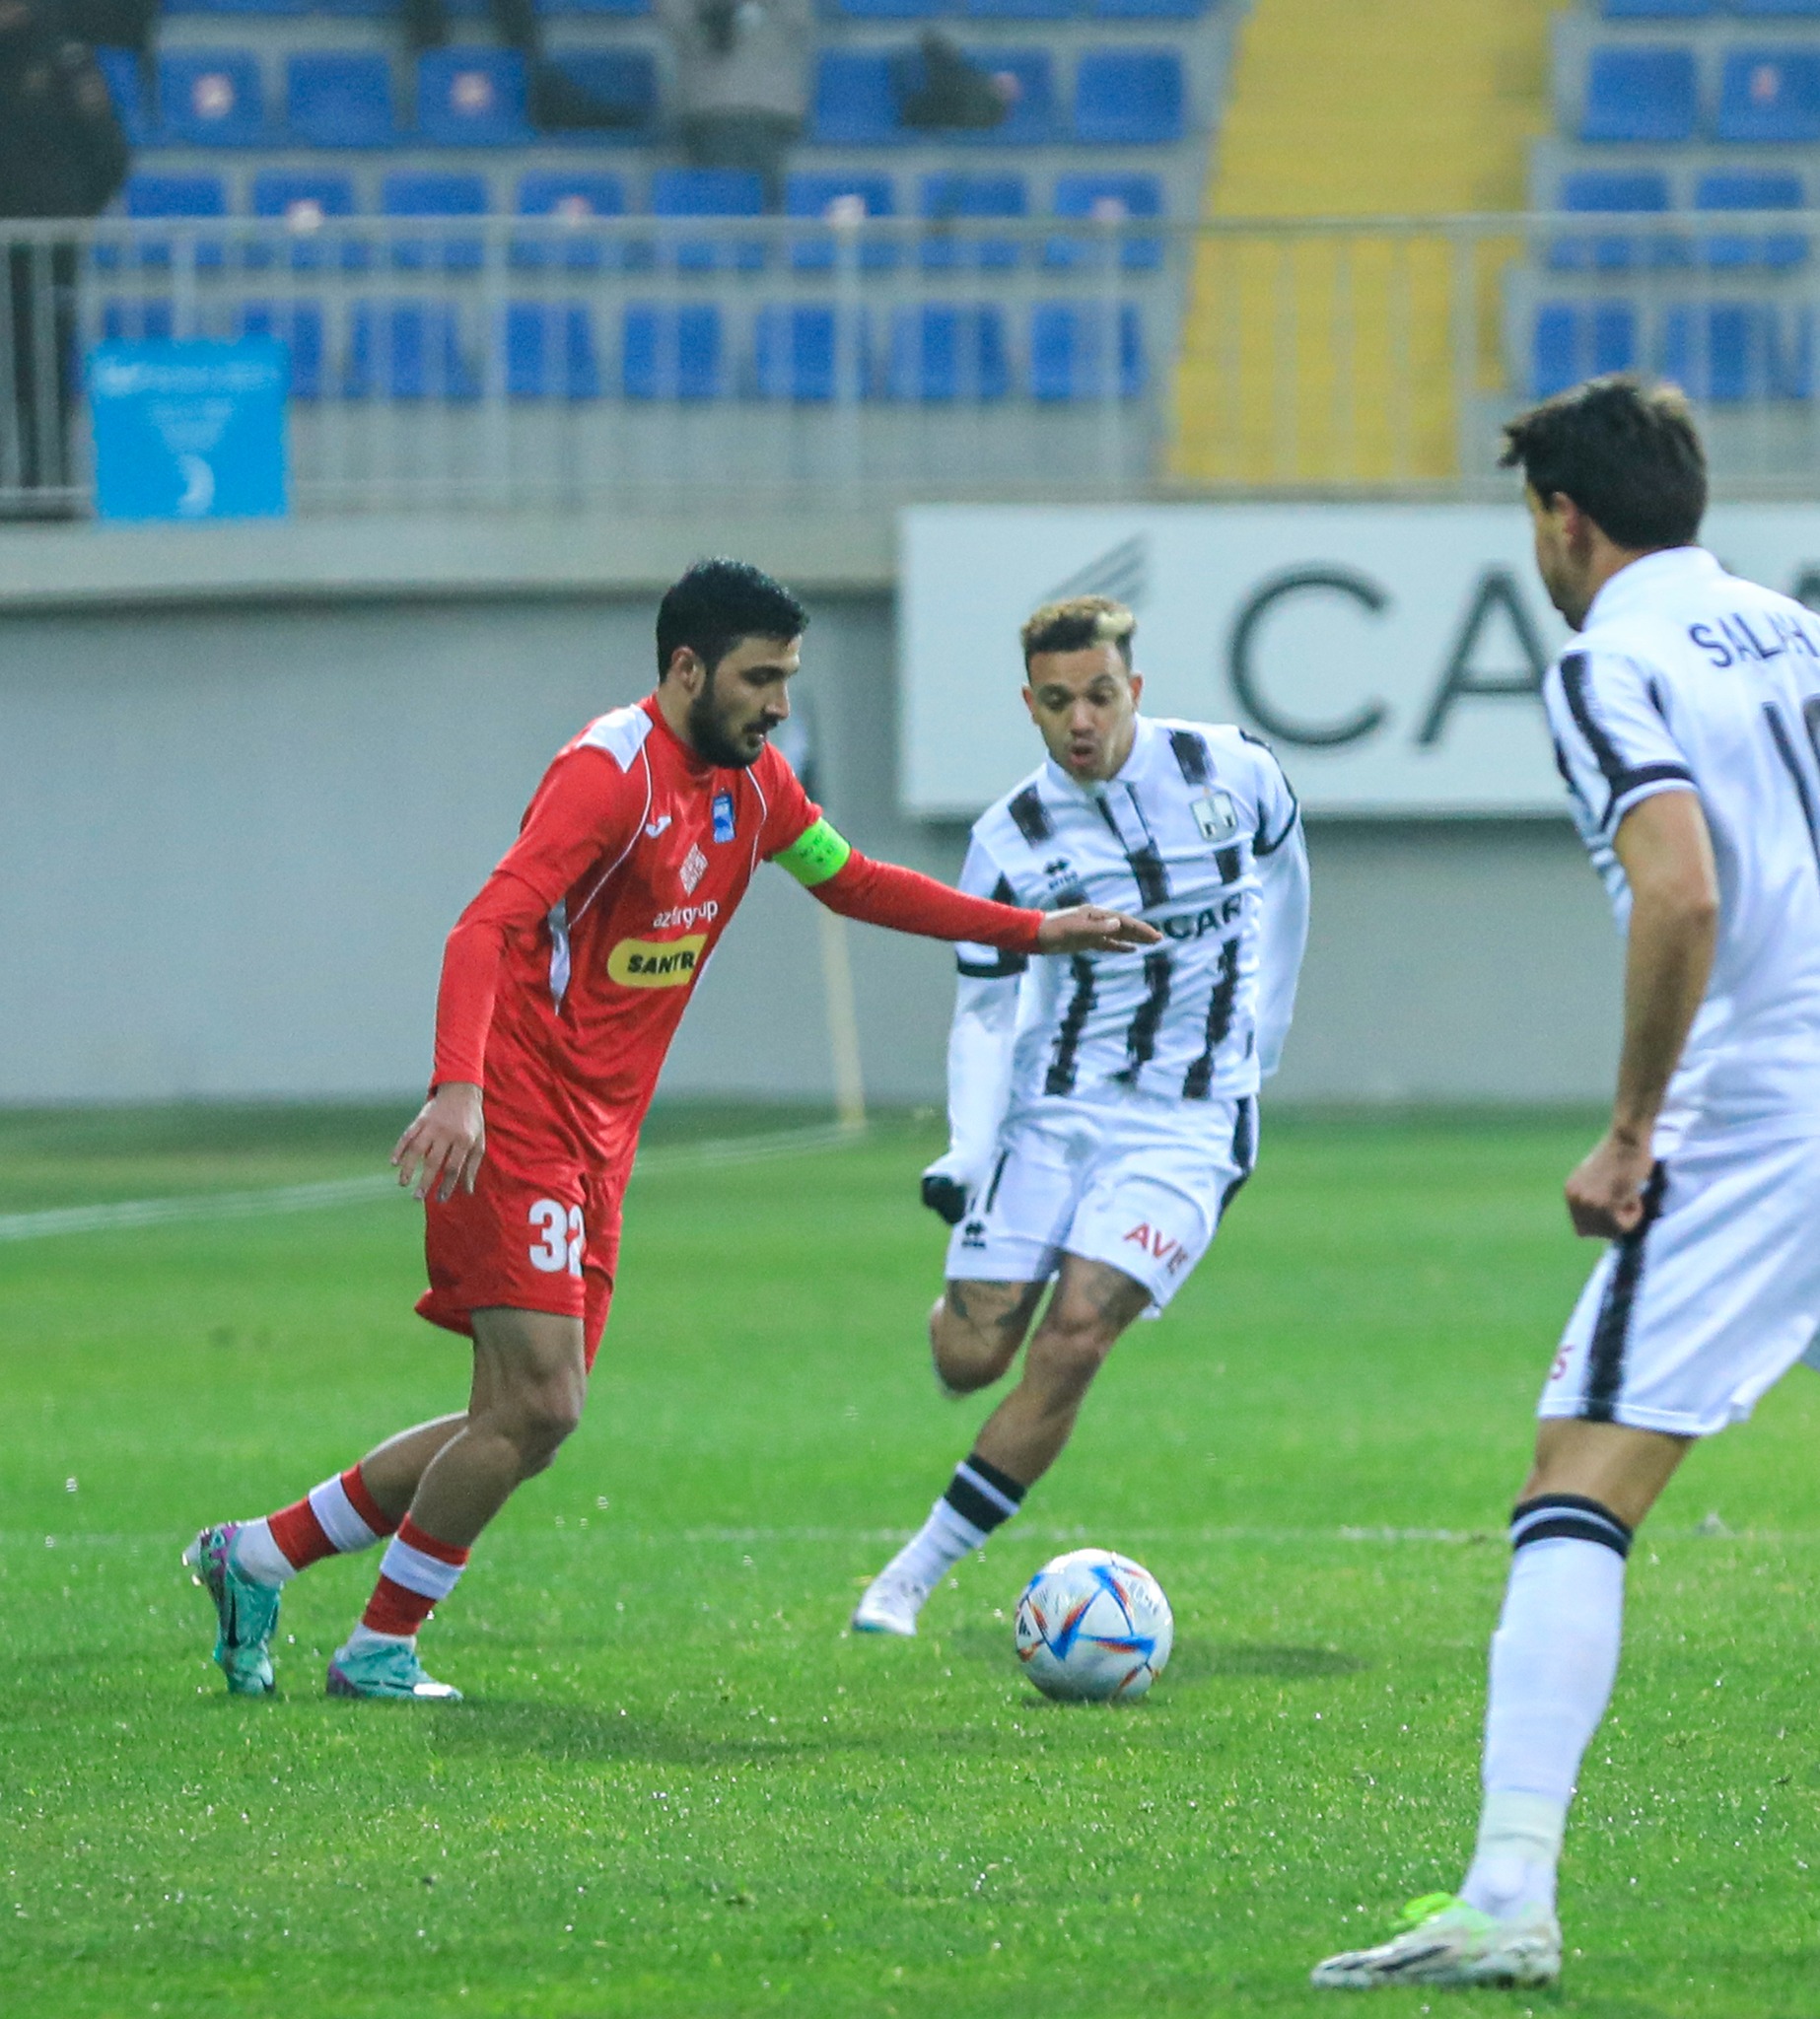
(1686, 1323)
(1134, 1183)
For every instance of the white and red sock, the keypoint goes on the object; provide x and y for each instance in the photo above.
(337, 1519)
(416, 1574)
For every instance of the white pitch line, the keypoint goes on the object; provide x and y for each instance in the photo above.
(190, 1207)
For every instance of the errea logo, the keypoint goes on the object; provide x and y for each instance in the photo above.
(656, 963)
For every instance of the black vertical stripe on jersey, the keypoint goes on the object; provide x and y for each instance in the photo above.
(1192, 757)
(1579, 707)
(1145, 862)
(1611, 1329)
(1784, 750)
(1062, 1062)
(1031, 815)
(1230, 862)
(1244, 1151)
(1220, 1005)
(1002, 964)
(1141, 1038)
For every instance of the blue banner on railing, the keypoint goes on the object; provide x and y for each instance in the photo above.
(189, 430)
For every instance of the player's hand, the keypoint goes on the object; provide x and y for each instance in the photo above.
(1092, 929)
(1605, 1196)
(444, 1147)
(947, 1188)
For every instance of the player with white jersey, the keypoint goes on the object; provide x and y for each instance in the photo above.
(1684, 719)
(1102, 1112)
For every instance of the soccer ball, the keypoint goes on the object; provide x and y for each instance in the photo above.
(1092, 1625)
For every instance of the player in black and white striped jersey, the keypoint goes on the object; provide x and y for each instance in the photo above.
(1104, 1110)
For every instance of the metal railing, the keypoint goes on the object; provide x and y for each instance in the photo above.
(579, 362)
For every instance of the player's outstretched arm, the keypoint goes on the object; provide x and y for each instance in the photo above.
(444, 1147)
(1092, 929)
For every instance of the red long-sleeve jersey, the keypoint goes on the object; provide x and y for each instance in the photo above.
(580, 952)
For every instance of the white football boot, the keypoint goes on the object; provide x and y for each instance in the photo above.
(1448, 1943)
(892, 1603)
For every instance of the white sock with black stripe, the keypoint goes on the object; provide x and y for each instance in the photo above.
(1554, 1660)
(979, 1498)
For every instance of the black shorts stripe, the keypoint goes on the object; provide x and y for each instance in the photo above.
(1220, 1005)
(998, 1178)
(1031, 815)
(1611, 1330)
(1784, 750)
(1244, 1150)
(1192, 757)
(1063, 1060)
(1141, 1038)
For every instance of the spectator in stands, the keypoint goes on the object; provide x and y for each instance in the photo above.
(62, 155)
(556, 103)
(741, 71)
(940, 91)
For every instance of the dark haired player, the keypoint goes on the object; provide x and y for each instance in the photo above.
(562, 984)
(1684, 717)
(1103, 1114)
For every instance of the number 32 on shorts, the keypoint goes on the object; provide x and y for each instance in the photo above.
(563, 1237)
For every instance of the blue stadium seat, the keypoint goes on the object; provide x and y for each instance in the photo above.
(138, 320)
(340, 100)
(1752, 189)
(415, 192)
(1643, 190)
(796, 355)
(1659, 10)
(1127, 97)
(1778, 10)
(1017, 10)
(212, 98)
(1769, 95)
(298, 325)
(126, 87)
(950, 200)
(1148, 10)
(1580, 340)
(571, 202)
(673, 353)
(1641, 95)
(624, 8)
(306, 205)
(168, 197)
(408, 351)
(889, 10)
(856, 98)
(550, 351)
(234, 7)
(947, 351)
(1106, 199)
(709, 192)
(808, 193)
(1070, 352)
(471, 98)
(623, 80)
(1722, 351)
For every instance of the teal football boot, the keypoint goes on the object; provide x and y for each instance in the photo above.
(245, 1613)
(389, 1670)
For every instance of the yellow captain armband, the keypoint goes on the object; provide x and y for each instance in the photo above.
(814, 856)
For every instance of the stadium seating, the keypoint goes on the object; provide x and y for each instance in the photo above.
(809, 194)
(572, 202)
(1105, 198)
(673, 353)
(550, 352)
(1611, 190)
(942, 350)
(212, 98)
(340, 100)
(1756, 191)
(796, 352)
(1769, 95)
(416, 193)
(1657, 10)
(1641, 95)
(949, 198)
(705, 193)
(625, 81)
(1127, 97)
(148, 195)
(408, 351)
(125, 87)
(471, 98)
(1576, 340)
(1072, 347)
(1722, 351)
(298, 325)
(855, 100)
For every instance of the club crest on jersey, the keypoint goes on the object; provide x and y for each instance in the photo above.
(694, 868)
(722, 817)
(1215, 817)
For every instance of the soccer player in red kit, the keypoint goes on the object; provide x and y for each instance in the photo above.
(562, 986)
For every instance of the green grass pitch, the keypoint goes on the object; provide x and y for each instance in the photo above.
(678, 1789)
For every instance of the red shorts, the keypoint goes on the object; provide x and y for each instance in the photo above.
(539, 1232)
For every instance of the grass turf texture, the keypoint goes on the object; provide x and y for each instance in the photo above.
(677, 1788)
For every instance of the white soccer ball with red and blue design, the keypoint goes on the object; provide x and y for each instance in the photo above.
(1093, 1627)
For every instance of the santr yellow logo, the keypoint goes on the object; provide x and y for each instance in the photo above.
(656, 963)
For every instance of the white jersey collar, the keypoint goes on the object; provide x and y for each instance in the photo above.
(1630, 588)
